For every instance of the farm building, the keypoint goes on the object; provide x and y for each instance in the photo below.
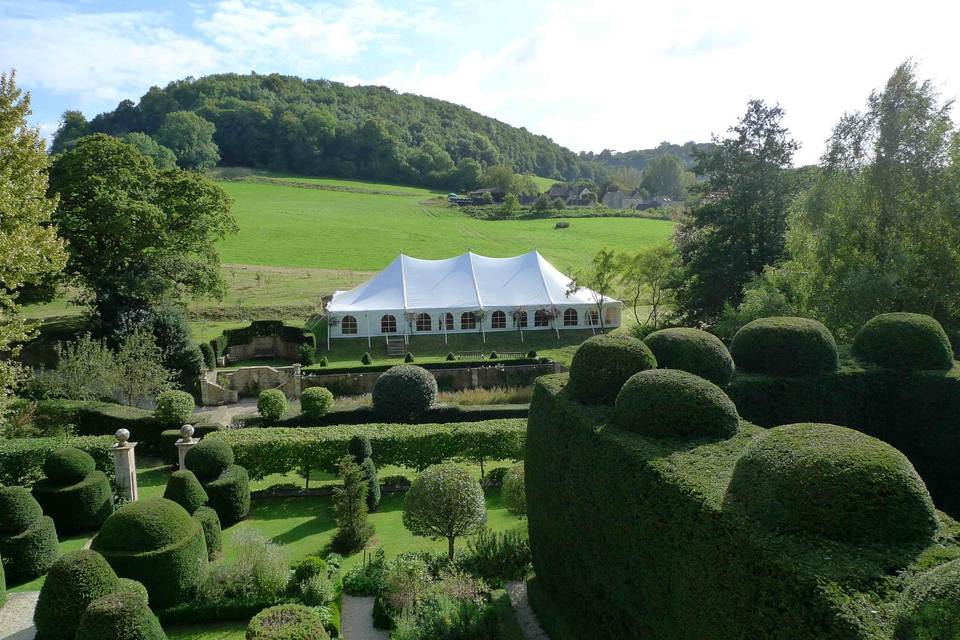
(467, 294)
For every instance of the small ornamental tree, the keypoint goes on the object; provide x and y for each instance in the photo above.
(350, 507)
(315, 402)
(174, 408)
(444, 503)
(272, 404)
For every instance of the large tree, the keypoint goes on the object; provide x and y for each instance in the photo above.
(664, 176)
(739, 226)
(162, 157)
(137, 235)
(190, 137)
(29, 246)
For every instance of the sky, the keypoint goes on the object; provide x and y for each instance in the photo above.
(603, 74)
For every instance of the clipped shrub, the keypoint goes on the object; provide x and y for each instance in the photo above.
(603, 363)
(287, 622)
(497, 556)
(174, 408)
(323, 361)
(184, 489)
(403, 392)
(119, 616)
(373, 484)
(832, 482)
(514, 492)
(365, 358)
(785, 346)
(156, 542)
(74, 494)
(229, 495)
(531, 354)
(930, 607)
(408, 358)
(75, 580)
(209, 458)
(360, 448)
(272, 404)
(28, 539)
(315, 402)
(209, 359)
(68, 465)
(904, 341)
(666, 403)
(132, 586)
(444, 503)
(306, 354)
(694, 351)
(494, 355)
(212, 533)
(451, 357)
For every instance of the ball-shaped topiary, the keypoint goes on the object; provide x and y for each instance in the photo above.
(603, 363)
(229, 494)
(904, 341)
(785, 346)
(832, 482)
(119, 616)
(75, 580)
(68, 465)
(209, 458)
(667, 403)
(156, 542)
(272, 404)
(930, 605)
(514, 491)
(184, 489)
(287, 622)
(404, 392)
(28, 539)
(316, 402)
(174, 408)
(210, 523)
(694, 351)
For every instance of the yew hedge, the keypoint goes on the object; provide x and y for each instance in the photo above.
(22, 459)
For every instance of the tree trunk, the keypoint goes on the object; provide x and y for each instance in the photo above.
(450, 549)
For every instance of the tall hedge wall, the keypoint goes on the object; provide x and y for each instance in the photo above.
(277, 450)
(916, 412)
(21, 459)
(631, 538)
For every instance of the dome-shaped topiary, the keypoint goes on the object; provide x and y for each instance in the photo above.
(287, 622)
(119, 616)
(209, 458)
(667, 403)
(174, 408)
(184, 489)
(76, 507)
(930, 605)
(68, 465)
(210, 523)
(75, 580)
(28, 539)
(135, 587)
(603, 363)
(833, 482)
(229, 495)
(904, 341)
(315, 402)
(272, 404)
(785, 346)
(694, 351)
(156, 542)
(404, 392)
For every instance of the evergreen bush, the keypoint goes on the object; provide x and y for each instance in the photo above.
(209, 458)
(365, 358)
(493, 355)
(451, 357)
(531, 354)
(210, 523)
(209, 360)
(315, 402)
(408, 358)
(403, 392)
(930, 607)
(350, 508)
(785, 346)
(184, 489)
(323, 361)
(514, 492)
(694, 351)
(603, 363)
(306, 354)
(174, 408)
(287, 622)
(28, 539)
(68, 465)
(76, 496)
(75, 580)
(119, 616)
(229, 495)
(904, 341)
(272, 404)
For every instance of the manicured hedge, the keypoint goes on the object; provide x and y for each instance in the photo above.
(603, 363)
(229, 494)
(904, 341)
(437, 414)
(209, 458)
(258, 328)
(22, 459)
(174, 408)
(119, 616)
(28, 539)
(404, 393)
(697, 352)
(930, 606)
(101, 418)
(68, 465)
(3, 584)
(785, 346)
(74, 581)
(212, 533)
(631, 538)
(287, 622)
(76, 507)
(184, 489)
(278, 450)
(156, 542)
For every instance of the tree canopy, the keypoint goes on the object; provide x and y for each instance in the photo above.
(190, 137)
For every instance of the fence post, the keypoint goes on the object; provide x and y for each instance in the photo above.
(125, 466)
(184, 444)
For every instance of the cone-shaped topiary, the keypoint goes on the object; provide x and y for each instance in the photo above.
(667, 403)
(287, 622)
(212, 532)
(603, 363)
(930, 606)
(315, 402)
(119, 616)
(404, 392)
(904, 341)
(785, 346)
(209, 458)
(156, 542)
(28, 539)
(365, 358)
(451, 357)
(184, 489)
(693, 351)
(833, 482)
(74, 493)
(75, 580)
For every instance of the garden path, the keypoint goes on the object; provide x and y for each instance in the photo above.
(16, 617)
(525, 617)
(356, 620)
(225, 414)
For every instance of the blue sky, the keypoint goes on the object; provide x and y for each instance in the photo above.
(613, 74)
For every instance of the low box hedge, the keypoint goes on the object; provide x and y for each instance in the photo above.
(440, 414)
(278, 450)
(633, 536)
(21, 459)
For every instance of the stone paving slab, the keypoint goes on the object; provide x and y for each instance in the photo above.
(16, 616)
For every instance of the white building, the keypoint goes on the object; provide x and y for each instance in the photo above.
(467, 294)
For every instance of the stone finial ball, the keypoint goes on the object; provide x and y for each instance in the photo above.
(122, 435)
(186, 431)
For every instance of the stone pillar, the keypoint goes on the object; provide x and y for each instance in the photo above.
(185, 443)
(125, 466)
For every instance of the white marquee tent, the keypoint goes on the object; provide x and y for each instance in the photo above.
(467, 294)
